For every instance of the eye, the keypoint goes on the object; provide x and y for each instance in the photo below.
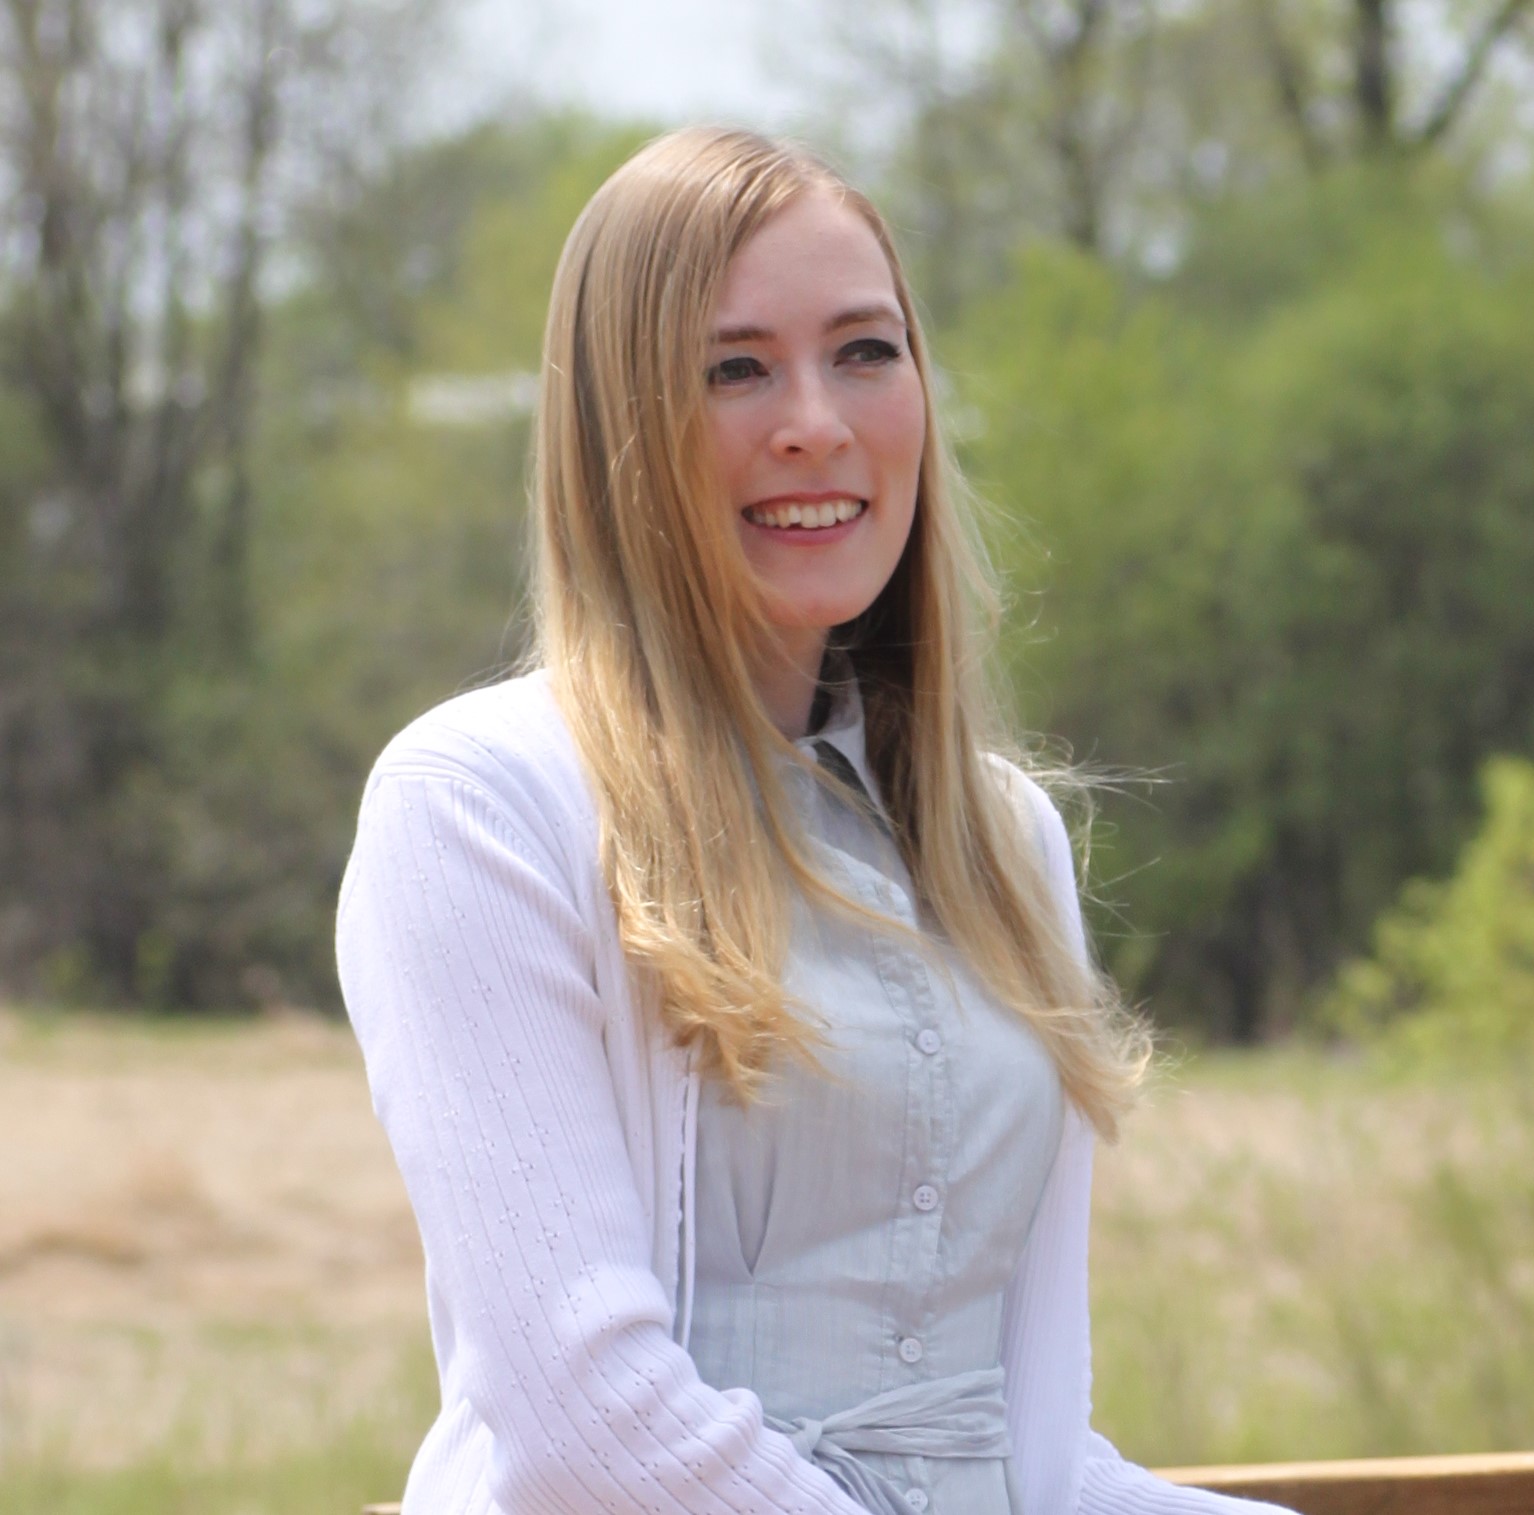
(869, 352)
(733, 371)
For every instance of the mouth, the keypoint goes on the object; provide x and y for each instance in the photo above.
(795, 515)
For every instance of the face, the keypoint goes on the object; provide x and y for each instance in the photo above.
(817, 415)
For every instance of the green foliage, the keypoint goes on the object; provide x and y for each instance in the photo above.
(385, 557)
(406, 240)
(492, 317)
(386, 568)
(1249, 256)
(1268, 520)
(1287, 572)
(1451, 976)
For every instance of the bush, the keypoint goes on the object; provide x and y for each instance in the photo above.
(1452, 972)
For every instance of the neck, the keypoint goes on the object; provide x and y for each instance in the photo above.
(787, 679)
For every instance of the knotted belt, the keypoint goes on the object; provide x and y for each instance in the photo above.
(963, 1415)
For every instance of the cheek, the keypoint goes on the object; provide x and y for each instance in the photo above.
(731, 446)
(899, 433)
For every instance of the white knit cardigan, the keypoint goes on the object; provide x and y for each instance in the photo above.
(545, 1129)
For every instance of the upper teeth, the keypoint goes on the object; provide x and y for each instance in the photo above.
(811, 517)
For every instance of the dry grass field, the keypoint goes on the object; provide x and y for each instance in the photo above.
(205, 1253)
(1297, 1258)
(210, 1294)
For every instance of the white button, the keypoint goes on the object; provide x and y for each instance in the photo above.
(928, 1040)
(925, 1198)
(910, 1349)
(917, 1499)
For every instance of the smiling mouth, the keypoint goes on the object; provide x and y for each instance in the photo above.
(805, 517)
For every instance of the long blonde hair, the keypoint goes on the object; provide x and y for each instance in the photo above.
(647, 620)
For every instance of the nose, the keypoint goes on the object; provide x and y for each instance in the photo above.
(811, 423)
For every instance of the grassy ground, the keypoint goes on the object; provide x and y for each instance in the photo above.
(210, 1297)
(1299, 1259)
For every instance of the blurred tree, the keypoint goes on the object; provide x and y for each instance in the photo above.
(997, 115)
(1292, 177)
(150, 150)
(388, 553)
(1348, 79)
(379, 245)
(1288, 572)
(1113, 124)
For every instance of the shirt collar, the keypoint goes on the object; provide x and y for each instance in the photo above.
(843, 726)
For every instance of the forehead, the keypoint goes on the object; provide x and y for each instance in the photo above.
(813, 258)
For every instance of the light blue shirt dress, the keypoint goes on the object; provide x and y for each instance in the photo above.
(856, 1229)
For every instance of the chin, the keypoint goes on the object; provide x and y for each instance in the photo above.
(827, 607)
(822, 620)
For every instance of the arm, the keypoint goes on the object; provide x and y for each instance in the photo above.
(466, 968)
(1062, 1464)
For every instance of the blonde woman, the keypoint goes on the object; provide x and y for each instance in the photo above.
(725, 1000)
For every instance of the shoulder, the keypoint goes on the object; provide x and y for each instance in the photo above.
(509, 744)
(501, 737)
(1035, 811)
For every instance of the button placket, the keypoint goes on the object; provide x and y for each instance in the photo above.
(922, 1159)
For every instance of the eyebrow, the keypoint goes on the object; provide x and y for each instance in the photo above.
(858, 315)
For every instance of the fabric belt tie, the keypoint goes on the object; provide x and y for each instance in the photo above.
(963, 1415)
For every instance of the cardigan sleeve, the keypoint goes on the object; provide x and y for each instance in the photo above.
(467, 969)
(1062, 1464)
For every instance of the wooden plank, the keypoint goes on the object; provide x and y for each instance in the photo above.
(1491, 1484)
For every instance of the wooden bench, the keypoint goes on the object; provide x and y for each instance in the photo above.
(1493, 1484)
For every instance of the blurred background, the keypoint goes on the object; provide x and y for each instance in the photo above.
(1233, 302)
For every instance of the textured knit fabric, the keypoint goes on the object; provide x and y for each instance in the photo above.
(545, 1127)
(858, 1227)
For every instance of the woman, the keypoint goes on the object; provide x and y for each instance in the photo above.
(726, 1005)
